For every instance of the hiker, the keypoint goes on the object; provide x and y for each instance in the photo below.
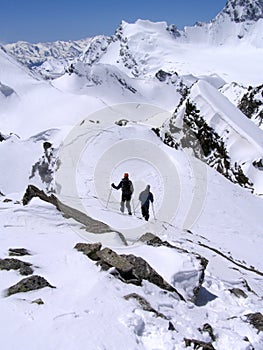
(145, 198)
(127, 191)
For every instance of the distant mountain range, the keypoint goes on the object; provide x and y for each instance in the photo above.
(159, 64)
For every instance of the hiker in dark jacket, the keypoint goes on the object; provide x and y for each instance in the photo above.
(145, 198)
(127, 191)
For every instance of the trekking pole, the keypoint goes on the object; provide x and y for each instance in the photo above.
(153, 212)
(133, 206)
(109, 197)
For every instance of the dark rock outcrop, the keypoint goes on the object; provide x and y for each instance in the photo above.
(189, 129)
(251, 104)
(15, 264)
(141, 270)
(89, 249)
(108, 258)
(256, 320)
(131, 269)
(44, 167)
(198, 344)
(242, 11)
(7, 200)
(238, 292)
(38, 301)
(208, 329)
(28, 284)
(146, 306)
(155, 241)
(18, 252)
(91, 225)
(127, 268)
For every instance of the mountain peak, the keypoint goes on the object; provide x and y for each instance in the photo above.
(244, 10)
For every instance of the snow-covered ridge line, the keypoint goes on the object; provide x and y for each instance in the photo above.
(234, 118)
(144, 46)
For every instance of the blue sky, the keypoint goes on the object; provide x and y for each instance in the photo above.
(50, 20)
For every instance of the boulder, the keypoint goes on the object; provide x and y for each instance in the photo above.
(256, 320)
(198, 344)
(15, 264)
(91, 225)
(38, 301)
(152, 240)
(143, 271)
(132, 269)
(145, 305)
(238, 292)
(18, 252)
(112, 259)
(208, 329)
(89, 249)
(28, 284)
(7, 200)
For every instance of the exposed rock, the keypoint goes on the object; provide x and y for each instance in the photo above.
(142, 270)
(251, 104)
(2, 138)
(189, 129)
(203, 264)
(256, 319)
(44, 167)
(146, 306)
(198, 344)
(171, 327)
(122, 122)
(112, 259)
(162, 76)
(18, 252)
(15, 264)
(7, 200)
(248, 288)
(38, 301)
(155, 241)
(151, 239)
(29, 284)
(132, 269)
(207, 328)
(89, 249)
(32, 191)
(91, 225)
(238, 292)
(243, 11)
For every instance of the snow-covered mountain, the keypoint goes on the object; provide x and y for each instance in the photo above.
(240, 23)
(48, 59)
(243, 11)
(179, 110)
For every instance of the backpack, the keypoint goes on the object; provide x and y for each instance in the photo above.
(126, 186)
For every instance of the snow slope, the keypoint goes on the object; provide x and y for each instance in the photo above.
(88, 305)
(80, 131)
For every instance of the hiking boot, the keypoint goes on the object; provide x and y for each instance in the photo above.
(130, 213)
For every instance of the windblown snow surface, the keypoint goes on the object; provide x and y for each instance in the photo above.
(99, 124)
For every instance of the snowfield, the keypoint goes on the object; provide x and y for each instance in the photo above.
(190, 277)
